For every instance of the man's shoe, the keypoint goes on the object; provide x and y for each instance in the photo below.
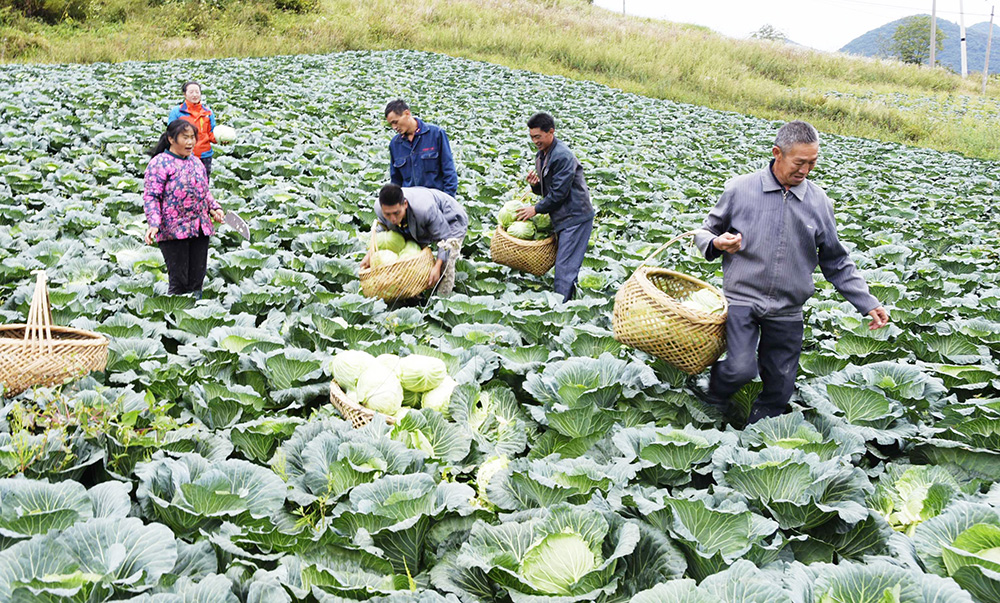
(759, 413)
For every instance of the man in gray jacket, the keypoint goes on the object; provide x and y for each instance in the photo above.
(772, 228)
(558, 178)
(429, 217)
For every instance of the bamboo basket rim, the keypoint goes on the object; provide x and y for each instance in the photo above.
(419, 257)
(641, 273)
(88, 338)
(549, 240)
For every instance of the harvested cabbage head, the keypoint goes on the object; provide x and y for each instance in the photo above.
(409, 249)
(522, 230)
(418, 373)
(703, 300)
(390, 240)
(379, 389)
(439, 397)
(348, 365)
(383, 258)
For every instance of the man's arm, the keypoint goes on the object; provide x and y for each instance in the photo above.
(563, 170)
(436, 226)
(448, 166)
(840, 269)
(716, 224)
(395, 175)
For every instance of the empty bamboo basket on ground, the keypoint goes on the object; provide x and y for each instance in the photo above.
(649, 316)
(401, 279)
(38, 353)
(358, 415)
(536, 257)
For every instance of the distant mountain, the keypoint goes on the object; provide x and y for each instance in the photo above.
(876, 43)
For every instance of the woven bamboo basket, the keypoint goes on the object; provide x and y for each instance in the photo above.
(648, 316)
(38, 353)
(536, 257)
(401, 279)
(358, 415)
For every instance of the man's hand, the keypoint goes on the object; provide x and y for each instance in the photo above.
(526, 213)
(532, 178)
(728, 242)
(151, 235)
(217, 215)
(367, 261)
(880, 318)
(435, 274)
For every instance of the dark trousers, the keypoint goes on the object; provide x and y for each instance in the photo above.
(758, 345)
(207, 162)
(186, 261)
(569, 257)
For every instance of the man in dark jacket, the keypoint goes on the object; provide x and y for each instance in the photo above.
(419, 154)
(558, 178)
(429, 217)
(772, 228)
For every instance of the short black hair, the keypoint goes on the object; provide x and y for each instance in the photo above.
(184, 88)
(397, 106)
(542, 121)
(391, 195)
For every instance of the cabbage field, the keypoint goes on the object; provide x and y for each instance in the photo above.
(207, 464)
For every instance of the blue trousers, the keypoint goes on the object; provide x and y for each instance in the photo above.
(758, 345)
(569, 257)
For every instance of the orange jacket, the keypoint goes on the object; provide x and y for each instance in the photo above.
(204, 121)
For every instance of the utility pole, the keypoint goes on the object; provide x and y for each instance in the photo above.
(989, 40)
(933, 32)
(961, 25)
(623, 7)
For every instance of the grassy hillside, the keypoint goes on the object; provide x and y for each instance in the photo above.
(566, 37)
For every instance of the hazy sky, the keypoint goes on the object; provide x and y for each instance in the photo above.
(823, 24)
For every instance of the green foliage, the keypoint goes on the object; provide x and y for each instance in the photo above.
(911, 41)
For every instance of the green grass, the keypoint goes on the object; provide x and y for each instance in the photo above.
(566, 37)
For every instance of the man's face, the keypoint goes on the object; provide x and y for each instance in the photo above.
(542, 139)
(792, 167)
(395, 213)
(193, 94)
(403, 124)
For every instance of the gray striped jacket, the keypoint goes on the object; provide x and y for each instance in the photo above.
(786, 234)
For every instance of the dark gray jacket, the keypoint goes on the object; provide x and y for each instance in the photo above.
(432, 216)
(565, 196)
(786, 234)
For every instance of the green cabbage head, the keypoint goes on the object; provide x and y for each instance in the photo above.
(391, 240)
(522, 230)
(409, 249)
(379, 390)
(383, 257)
(439, 397)
(348, 365)
(420, 374)
(558, 561)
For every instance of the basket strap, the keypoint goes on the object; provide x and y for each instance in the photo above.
(38, 331)
(371, 239)
(689, 233)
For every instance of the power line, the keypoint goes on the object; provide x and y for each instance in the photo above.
(913, 8)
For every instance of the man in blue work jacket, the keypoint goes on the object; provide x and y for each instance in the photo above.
(772, 228)
(558, 178)
(419, 153)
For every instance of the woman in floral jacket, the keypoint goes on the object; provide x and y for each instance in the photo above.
(179, 207)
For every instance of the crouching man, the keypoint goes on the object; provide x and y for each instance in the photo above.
(429, 217)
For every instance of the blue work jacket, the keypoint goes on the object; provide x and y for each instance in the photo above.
(425, 161)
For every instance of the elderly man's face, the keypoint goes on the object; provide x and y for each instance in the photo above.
(792, 167)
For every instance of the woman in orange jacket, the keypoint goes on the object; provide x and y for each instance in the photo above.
(194, 111)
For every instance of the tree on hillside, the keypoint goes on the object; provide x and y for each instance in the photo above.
(769, 32)
(911, 42)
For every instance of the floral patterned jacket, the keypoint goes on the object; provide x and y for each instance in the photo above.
(176, 197)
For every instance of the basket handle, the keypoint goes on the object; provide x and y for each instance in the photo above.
(689, 233)
(371, 239)
(38, 331)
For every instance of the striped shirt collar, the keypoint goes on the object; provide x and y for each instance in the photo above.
(770, 183)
